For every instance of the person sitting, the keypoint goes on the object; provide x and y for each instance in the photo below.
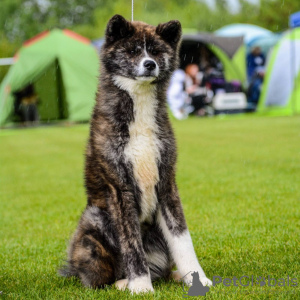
(185, 93)
(196, 94)
(213, 79)
(176, 94)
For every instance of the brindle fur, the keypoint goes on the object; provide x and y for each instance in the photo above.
(110, 242)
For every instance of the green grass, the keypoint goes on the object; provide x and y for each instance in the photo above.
(239, 183)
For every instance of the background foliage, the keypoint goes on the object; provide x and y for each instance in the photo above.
(20, 20)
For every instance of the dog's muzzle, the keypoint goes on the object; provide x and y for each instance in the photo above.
(148, 68)
(149, 65)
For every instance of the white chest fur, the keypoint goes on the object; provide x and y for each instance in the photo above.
(143, 147)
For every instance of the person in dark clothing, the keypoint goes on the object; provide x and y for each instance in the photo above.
(25, 105)
(255, 87)
(254, 59)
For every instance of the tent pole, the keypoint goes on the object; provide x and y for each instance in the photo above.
(295, 72)
(292, 70)
(59, 90)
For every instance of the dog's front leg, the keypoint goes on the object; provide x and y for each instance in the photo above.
(125, 216)
(172, 222)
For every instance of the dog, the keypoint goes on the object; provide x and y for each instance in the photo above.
(133, 229)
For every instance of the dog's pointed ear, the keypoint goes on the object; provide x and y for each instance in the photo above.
(118, 28)
(170, 32)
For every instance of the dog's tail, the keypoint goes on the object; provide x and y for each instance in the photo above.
(67, 270)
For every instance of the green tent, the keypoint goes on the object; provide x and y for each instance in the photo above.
(230, 51)
(63, 66)
(281, 88)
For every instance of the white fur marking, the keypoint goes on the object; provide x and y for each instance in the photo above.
(183, 252)
(143, 147)
(145, 49)
(141, 284)
(141, 69)
(166, 58)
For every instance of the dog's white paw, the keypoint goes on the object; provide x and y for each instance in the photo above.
(121, 284)
(141, 284)
(205, 281)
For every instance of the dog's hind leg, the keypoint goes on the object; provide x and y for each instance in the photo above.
(93, 253)
(157, 252)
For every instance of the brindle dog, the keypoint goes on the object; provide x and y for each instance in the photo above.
(133, 228)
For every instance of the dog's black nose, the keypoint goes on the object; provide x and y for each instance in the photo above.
(150, 65)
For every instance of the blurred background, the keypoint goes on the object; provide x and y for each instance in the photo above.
(234, 106)
(232, 56)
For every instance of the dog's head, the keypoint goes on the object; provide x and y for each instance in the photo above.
(140, 51)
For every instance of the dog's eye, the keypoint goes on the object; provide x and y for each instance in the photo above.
(154, 52)
(132, 51)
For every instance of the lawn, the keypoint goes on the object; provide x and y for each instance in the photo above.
(239, 180)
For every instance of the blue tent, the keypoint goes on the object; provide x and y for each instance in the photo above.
(253, 35)
(265, 43)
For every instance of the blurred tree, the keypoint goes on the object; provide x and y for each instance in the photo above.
(270, 14)
(221, 5)
(274, 14)
(248, 13)
(7, 49)
(22, 19)
(191, 13)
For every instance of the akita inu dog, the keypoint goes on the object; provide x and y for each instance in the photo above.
(133, 229)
